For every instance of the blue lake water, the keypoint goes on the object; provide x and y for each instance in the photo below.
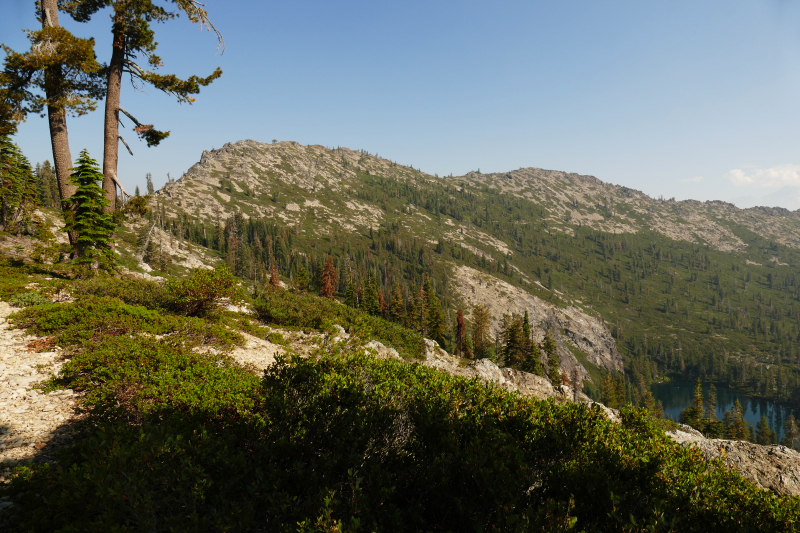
(677, 396)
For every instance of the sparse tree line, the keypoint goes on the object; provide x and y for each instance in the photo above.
(702, 416)
(717, 306)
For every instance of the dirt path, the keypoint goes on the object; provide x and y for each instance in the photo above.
(32, 425)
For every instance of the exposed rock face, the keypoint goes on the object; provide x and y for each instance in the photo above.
(584, 332)
(508, 378)
(776, 468)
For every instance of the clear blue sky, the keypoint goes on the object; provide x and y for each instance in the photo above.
(687, 99)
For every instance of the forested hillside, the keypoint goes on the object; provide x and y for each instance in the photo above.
(687, 289)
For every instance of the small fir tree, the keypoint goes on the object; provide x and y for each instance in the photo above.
(764, 435)
(301, 278)
(350, 299)
(371, 302)
(553, 363)
(18, 188)
(791, 433)
(93, 226)
(693, 415)
(481, 340)
(397, 307)
(461, 349)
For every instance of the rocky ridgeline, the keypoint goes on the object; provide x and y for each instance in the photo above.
(32, 425)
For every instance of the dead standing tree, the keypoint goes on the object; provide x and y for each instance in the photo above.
(132, 38)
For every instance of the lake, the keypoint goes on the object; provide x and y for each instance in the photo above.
(677, 396)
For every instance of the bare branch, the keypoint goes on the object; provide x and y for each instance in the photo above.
(126, 146)
(47, 16)
(118, 184)
(130, 117)
(197, 13)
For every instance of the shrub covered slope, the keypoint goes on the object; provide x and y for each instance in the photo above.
(178, 438)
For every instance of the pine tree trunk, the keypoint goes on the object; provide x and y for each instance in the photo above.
(57, 120)
(111, 131)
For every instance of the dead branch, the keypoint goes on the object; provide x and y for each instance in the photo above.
(118, 184)
(126, 145)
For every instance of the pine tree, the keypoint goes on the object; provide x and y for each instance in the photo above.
(18, 192)
(551, 352)
(693, 415)
(737, 427)
(712, 425)
(136, 192)
(301, 277)
(329, 279)
(89, 220)
(47, 185)
(764, 434)
(461, 349)
(150, 189)
(533, 362)
(350, 299)
(481, 341)
(418, 310)
(791, 433)
(371, 303)
(397, 308)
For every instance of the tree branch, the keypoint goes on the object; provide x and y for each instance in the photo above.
(126, 146)
(118, 184)
(130, 117)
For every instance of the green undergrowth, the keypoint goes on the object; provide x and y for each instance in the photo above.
(284, 308)
(195, 295)
(93, 318)
(182, 441)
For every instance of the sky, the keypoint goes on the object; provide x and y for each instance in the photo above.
(679, 99)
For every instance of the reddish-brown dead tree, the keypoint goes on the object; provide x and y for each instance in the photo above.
(329, 279)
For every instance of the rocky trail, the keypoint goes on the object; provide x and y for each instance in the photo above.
(32, 425)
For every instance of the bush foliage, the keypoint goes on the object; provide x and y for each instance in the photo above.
(298, 310)
(26, 299)
(93, 318)
(190, 442)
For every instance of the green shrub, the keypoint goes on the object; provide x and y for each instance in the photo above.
(198, 294)
(27, 299)
(368, 444)
(131, 290)
(283, 308)
(92, 318)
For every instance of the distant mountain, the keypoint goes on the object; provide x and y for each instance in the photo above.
(685, 289)
(787, 197)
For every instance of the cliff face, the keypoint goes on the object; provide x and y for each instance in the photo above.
(575, 331)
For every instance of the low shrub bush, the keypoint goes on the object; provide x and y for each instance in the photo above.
(283, 308)
(26, 299)
(131, 290)
(92, 318)
(354, 443)
(199, 294)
